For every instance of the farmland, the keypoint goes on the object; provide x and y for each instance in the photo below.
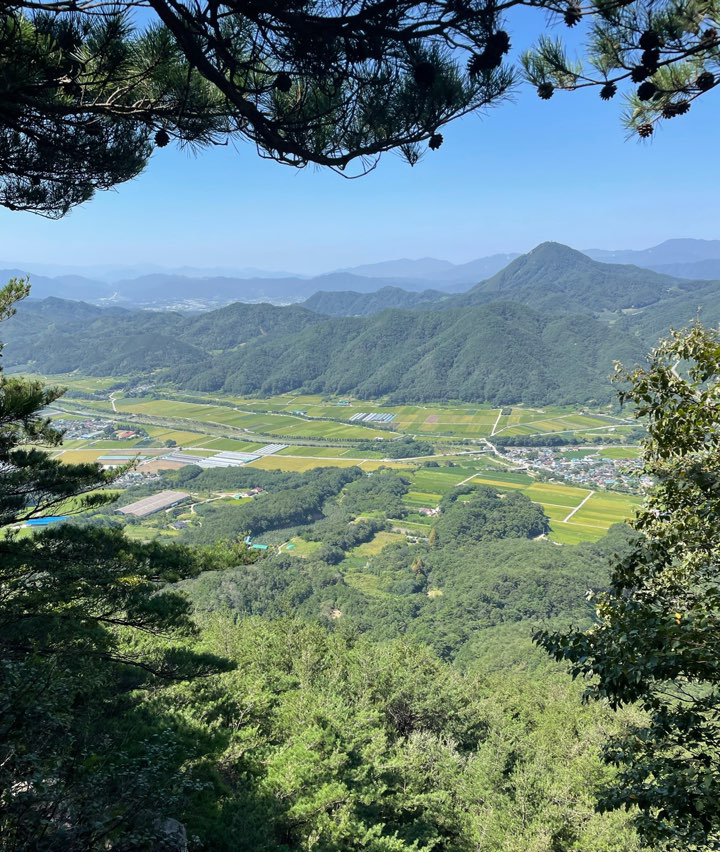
(323, 432)
(569, 524)
(295, 415)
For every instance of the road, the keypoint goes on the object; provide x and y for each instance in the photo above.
(579, 506)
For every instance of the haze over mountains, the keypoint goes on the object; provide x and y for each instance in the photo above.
(197, 289)
(543, 330)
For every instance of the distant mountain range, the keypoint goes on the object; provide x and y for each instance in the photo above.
(545, 329)
(193, 289)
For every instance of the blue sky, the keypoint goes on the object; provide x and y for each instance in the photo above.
(527, 171)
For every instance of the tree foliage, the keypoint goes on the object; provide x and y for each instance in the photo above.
(78, 611)
(656, 640)
(87, 93)
(664, 55)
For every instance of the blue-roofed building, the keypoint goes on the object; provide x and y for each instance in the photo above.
(43, 522)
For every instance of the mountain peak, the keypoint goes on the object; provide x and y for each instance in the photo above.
(553, 250)
(555, 277)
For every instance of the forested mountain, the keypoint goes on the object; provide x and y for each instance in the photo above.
(350, 304)
(563, 320)
(500, 352)
(56, 335)
(553, 277)
(698, 270)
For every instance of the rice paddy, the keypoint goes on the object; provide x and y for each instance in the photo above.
(575, 513)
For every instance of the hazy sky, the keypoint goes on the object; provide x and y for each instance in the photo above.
(528, 171)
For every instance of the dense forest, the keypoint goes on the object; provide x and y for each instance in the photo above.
(563, 320)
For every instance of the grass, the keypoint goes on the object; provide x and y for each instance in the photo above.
(369, 584)
(375, 545)
(620, 453)
(299, 547)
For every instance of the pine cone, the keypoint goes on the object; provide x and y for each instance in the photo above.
(498, 42)
(645, 131)
(639, 73)
(161, 138)
(647, 90)
(545, 91)
(283, 83)
(435, 142)
(651, 59)
(484, 61)
(649, 40)
(672, 109)
(609, 90)
(705, 81)
(572, 15)
(424, 74)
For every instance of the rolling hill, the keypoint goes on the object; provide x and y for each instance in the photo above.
(500, 353)
(544, 330)
(352, 304)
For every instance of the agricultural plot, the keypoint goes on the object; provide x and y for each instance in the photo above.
(282, 415)
(285, 425)
(375, 545)
(569, 524)
(92, 455)
(553, 419)
(88, 384)
(301, 464)
(620, 453)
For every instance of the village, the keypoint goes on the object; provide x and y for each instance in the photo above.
(582, 466)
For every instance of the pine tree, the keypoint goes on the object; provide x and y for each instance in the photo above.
(86, 95)
(88, 624)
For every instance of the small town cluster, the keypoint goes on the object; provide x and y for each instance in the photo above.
(582, 466)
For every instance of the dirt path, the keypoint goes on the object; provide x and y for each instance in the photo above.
(579, 506)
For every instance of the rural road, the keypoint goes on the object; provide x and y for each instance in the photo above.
(579, 506)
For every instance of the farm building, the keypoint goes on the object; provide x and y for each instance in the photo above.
(270, 449)
(227, 458)
(149, 505)
(43, 522)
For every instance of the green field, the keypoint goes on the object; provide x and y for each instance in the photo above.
(620, 453)
(269, 423)
(296, 415)
(589, 523)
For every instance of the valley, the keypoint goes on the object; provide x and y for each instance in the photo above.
(458, 445)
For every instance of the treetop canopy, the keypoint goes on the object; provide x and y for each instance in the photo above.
(86, 93)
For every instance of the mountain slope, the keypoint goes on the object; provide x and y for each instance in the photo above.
(668, 252)
(698, 270)
(501, 353)
(431, 269)
(553, 277)
(57, 336)
(351, 304)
